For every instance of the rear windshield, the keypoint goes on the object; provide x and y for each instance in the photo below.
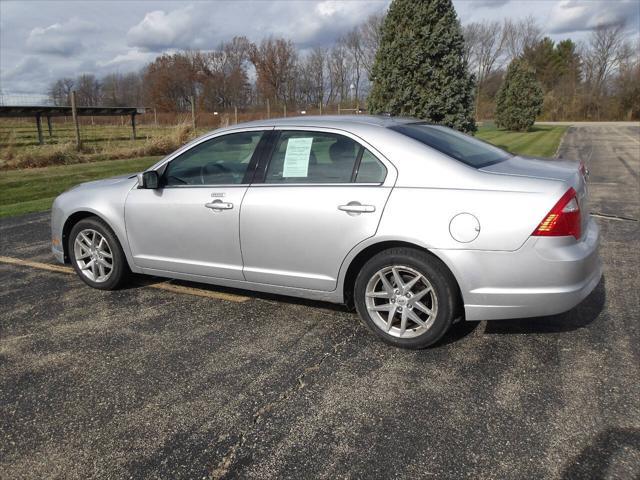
(464, 148)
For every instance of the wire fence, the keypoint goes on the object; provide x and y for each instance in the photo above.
(25, 99)
(107, 131)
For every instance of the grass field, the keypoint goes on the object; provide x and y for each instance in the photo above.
(540, 141)
(33, 189)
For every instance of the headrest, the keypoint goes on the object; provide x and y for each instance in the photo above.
(342, 150)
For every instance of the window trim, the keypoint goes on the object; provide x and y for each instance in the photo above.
(265, 161)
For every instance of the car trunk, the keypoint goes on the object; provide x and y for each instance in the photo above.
(559, 170)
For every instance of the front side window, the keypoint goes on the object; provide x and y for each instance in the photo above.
(313, 157)
(220, 161)
(463, 148)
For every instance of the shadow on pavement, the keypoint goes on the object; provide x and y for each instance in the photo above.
(595, 459)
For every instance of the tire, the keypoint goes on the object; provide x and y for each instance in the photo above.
(92, 233)
(428, 292)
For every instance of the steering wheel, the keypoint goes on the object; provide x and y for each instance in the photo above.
(222, 169)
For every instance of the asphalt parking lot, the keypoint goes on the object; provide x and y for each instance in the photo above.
(164, 383)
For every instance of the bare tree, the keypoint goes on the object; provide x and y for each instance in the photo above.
(355, 53)
(471, 35)
(275, 62)
(88, 90)
(338, 74)
(371, 34)
(484, 47)
(312, 85)
(605, 53)
(60, 91)
(520, 35)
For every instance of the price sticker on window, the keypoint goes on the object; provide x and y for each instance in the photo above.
(296, 159)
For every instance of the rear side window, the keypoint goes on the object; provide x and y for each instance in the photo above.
(370, 170)
(465, 148)
(313, 157)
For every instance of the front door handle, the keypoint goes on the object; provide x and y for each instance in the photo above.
(355, 208)
(219, 205)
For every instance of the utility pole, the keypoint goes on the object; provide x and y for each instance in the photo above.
(285, 110)
(235, 114)
(268, 109)
(74, 114)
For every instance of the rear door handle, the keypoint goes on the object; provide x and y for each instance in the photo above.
(219, 205)
(356, 207)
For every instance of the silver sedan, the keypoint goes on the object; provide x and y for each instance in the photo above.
(416, 225)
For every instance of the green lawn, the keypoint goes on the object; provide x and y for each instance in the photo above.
(540, 141)
(33, 190)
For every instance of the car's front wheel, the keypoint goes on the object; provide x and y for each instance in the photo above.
(96, 254)
(407, 297)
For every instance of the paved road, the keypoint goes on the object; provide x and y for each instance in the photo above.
(151, 383)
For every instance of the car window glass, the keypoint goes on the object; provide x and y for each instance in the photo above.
(220, 161)
(313, 157)
(465, 148)
(370, 170)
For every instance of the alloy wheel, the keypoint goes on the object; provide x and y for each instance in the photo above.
(401, 301)
(93, 255)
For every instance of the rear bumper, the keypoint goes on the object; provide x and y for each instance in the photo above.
(546, 276)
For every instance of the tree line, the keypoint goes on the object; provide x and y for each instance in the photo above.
(597, 79)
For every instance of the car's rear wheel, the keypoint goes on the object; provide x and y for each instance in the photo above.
(96, 254)
(407, 297)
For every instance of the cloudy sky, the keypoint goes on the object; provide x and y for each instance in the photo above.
(44, 40)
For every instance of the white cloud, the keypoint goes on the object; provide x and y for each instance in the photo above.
(60, 38)
(132, 58)
(490, 3)
(574, 16)
(159, 30)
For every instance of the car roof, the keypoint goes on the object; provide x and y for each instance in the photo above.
(335, 121)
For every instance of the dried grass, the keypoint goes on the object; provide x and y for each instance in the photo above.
(67, 153)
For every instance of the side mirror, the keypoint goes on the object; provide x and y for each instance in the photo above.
(149, 179)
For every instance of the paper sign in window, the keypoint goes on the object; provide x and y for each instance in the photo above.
(296, 159)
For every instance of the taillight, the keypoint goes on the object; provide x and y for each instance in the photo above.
(563, 219)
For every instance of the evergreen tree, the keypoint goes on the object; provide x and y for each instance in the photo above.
(420, 69)
(519, 99)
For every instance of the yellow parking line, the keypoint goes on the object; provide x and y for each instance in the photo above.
(199, 292)
(39, 265)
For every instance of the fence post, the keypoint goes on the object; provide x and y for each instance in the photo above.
(133, 125)
(268, 109)
(74, 114)
(155, 117)
(193, 113)
(338, 109)
(235, 114)
(285, 110)
(320, 107)
(39, 127)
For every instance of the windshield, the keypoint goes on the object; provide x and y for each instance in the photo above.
(464, 148)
